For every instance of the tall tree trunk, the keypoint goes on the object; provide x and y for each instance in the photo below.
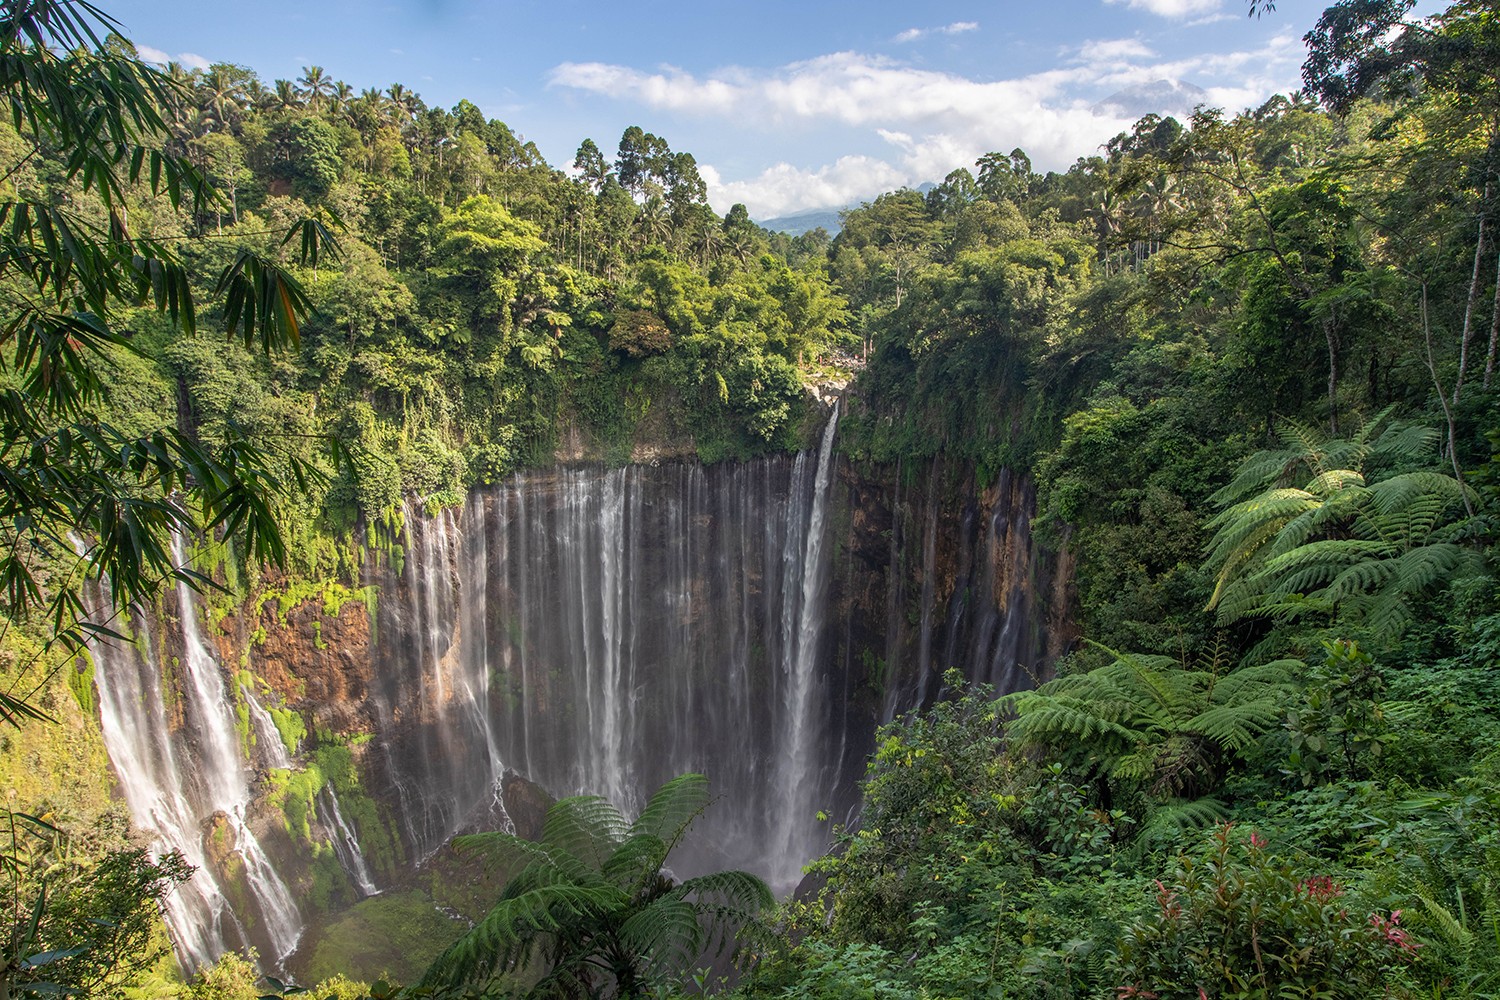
(1489, 360)
(1443, 399)
(1469, 307)
(1331, 335)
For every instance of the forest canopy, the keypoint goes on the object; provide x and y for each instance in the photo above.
(1247, 358)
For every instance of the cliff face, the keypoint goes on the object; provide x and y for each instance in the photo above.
(318, 663)
(937, 571)
(577, 629)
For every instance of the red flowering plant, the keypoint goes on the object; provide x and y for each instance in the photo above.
(1238, 921)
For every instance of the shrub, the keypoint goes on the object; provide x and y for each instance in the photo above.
(1239, 922)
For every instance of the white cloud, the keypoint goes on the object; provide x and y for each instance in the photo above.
(154, 55)
(783, 188)
(1174, 9)
(1113, 50)
(956, 28)
(928, 121)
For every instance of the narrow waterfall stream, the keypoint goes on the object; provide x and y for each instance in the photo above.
(220, 768)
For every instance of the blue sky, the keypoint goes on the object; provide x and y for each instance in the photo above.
(786, 106)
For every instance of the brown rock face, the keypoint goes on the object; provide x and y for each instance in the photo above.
(319, 664)
(938, 571)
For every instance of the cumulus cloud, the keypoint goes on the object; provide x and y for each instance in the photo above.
(956, 28)
(1176, 10)
(928, 121)
(154, 55)
(1113, 50)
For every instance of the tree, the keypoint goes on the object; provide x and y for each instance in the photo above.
(589, 162)
(594, 903)
(1147, 720)
(72, 480)
(316, 85)
(1343, 541)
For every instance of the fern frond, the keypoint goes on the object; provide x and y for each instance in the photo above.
(1440, 918)
(1406, 442)
(665, 934)
(742, 890)
(1047, 720)
(1237, 726)
(673, 808)
(586, 826)
(1334, 480)
(1177, 815)
(504, 939)
(636, 860)
(1134, 767)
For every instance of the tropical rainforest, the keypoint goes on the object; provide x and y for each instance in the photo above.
(1247, 358)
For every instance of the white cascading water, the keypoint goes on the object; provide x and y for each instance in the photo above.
(634, 624)
(278, 755)
(133, 717)
(266, 735)
(346, 844)
(795, 778)
(220, 769)
(445, 716)
(172, 802)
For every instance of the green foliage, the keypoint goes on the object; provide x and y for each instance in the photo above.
(74, 925)
(393, 935)
(1337, 729)
(592, 904)
(1237, 921)
(71, 267)
(1339, 543)
(1146, 723)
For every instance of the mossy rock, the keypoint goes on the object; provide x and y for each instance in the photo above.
(393, 936)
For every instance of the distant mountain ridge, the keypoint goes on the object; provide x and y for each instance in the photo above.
(1159, 97)
(804, 222)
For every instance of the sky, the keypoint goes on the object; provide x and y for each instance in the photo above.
(787, 106)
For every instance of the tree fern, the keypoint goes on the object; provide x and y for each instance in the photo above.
(1348, 541)
(1148, 721)
(593, 903)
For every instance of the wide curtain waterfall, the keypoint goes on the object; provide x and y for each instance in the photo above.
(592, 630)
(602, 630)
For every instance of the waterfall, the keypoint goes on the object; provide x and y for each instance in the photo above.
(266, 735)
(345, 843)
(340, 835)
(434, 706)
(175, 802)
(133, 717)
(800, 661)
(619, 627)
(220, 769)
(594, 631)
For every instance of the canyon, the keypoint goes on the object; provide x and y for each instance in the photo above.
(578, 629)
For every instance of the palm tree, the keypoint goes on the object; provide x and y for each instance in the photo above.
(316, 85)
(593, 903)
(287, 95)
(221, 96)
(406, 104)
